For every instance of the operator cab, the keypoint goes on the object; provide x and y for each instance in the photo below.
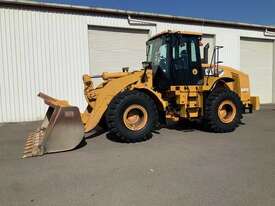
(175, 59)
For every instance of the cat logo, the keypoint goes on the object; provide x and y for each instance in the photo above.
(194, 71)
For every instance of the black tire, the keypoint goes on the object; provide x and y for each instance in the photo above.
(117, 108)
(103, 123)
(211, 118)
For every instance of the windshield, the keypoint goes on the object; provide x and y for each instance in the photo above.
(157, 54)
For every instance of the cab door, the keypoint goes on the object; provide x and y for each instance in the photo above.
(186, 62)
(195, 72)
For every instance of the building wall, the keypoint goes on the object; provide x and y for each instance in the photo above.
(48, 51)
(273, 75)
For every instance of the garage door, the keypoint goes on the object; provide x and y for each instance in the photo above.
(110, 49)
(257, 61)
(211, 40)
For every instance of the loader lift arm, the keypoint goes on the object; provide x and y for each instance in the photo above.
(103, 95)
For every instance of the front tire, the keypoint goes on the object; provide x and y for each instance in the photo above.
(132, 116)
(223, 111)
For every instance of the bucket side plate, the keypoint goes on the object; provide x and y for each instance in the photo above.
(61, 130)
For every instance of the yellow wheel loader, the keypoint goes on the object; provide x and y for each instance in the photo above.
(174, 84)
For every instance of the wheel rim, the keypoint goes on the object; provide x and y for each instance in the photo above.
(135, 117)
(227, 111)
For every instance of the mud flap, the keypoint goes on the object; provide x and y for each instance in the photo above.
(61, 130)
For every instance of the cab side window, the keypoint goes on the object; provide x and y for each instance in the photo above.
(162, 57)
(180, 55)
(193, 52)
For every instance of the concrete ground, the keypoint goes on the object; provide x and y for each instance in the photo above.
(177, 167)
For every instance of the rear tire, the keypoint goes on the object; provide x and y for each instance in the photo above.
(132, 116)
(223, 111)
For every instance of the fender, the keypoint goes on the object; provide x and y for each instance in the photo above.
(222, 80)
(156, 96)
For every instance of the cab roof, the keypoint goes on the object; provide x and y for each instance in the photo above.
(176, 32)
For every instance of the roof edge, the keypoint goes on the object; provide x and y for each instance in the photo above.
(202, 21)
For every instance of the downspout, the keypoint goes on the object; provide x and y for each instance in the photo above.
(269, 33)
(138, 22)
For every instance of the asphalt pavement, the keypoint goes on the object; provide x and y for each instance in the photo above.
(178, 166)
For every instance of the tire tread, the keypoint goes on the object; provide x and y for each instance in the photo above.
(211, 105)
(112, 110)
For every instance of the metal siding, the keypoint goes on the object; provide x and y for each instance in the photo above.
(40, 51)
(273, 75)
(257, 61)
(114, 48)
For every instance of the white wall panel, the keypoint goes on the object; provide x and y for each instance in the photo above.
(257, 60)
(273, 75)
(111, 49)
(48, 51)
(40, 51)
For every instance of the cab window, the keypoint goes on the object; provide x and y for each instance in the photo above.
(193, 52)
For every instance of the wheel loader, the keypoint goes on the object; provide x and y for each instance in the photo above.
(176, 84)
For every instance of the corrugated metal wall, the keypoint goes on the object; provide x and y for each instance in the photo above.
(48, 51)
(40, 51)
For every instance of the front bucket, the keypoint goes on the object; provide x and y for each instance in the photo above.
(61, 130)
